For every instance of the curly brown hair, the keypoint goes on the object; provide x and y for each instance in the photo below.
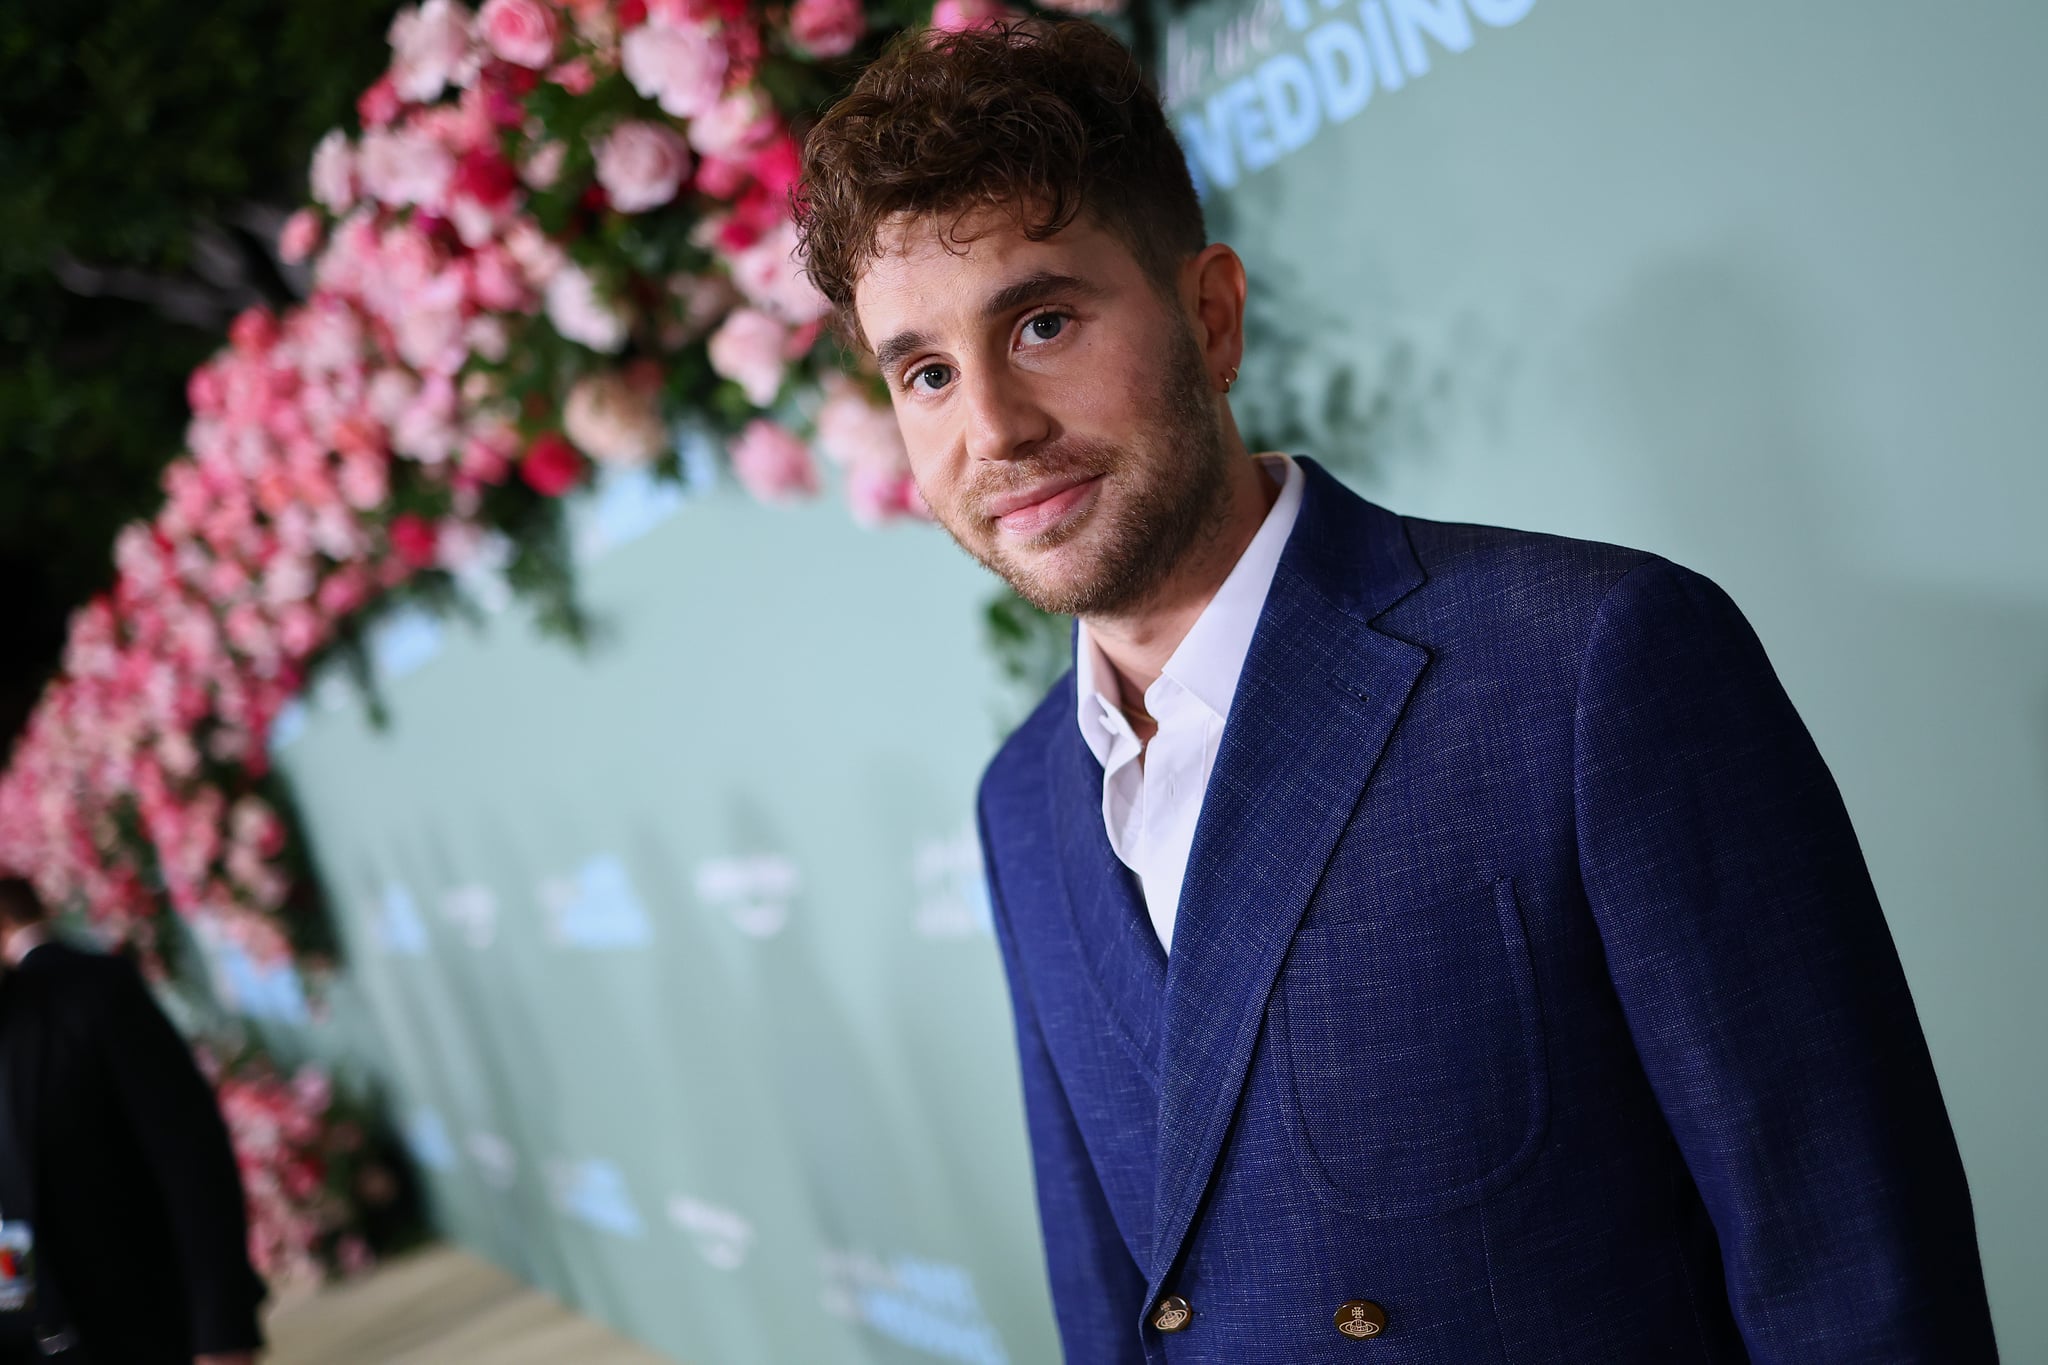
(1043, 119)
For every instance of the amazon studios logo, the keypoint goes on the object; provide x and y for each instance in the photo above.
(1348, 51)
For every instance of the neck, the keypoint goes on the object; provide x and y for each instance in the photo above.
(17, 939)
(1138, 643)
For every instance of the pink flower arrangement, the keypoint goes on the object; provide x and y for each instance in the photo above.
(827, 28)
(616, 417)
(523, 32)
(308, 1169)
(641, 165)
(965, 14)
(748, 349)
(341, 449)
(772, 462)
(678, 62)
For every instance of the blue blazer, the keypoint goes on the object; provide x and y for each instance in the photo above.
(1527, 982)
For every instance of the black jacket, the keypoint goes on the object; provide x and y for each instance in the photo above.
(116, 1143)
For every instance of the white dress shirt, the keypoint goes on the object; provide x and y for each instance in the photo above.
(1150, 808)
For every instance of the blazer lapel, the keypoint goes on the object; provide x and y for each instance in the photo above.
(1110, 925)
(1320, 693)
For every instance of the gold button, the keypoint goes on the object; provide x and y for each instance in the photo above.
(1172, 1314)
(1361, 1318)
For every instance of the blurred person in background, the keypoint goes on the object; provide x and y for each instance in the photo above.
(114, 1156)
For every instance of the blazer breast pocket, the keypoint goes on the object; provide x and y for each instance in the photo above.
(1414, 1051)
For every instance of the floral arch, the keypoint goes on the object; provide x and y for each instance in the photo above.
(558, 240)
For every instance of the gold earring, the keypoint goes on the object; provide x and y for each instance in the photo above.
(1230, 379)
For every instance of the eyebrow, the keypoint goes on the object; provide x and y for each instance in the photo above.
(1033, 288)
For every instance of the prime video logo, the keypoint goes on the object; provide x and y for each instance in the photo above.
(1348, 51)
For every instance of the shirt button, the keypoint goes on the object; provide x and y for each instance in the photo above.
(1361, 1318)
(1172, 1314)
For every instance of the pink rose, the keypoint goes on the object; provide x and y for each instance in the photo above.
(379, 104)
(496, 101)
(495, 280)
(958, 15)
(300, 237)
(854, 431)
(486, 336)
(876, 495)
(326, 335)
(771, 462)
(334, 173)
(641, 165)
(537, 253)
(577, 312)
(344, 590)
(574, 76)
(551, 466)
(827, 28)
(719, 178)
(412, 539)
(748, 349)
(253, 331)
(300, 628)
(364, 481)
(615, 419)
(523, 32)
(426, 429)
(777, 165)
(678, 65)
(486, 176)
(769, 274)
(430, 50)
(405, 166)
(543, 165)
(735, 127)
(487, 456)
(464, 126)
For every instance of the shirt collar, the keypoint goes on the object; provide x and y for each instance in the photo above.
(1211, 655)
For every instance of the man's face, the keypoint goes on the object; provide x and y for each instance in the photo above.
(1057, 411)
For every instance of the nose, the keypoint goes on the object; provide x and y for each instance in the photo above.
(1004, 418)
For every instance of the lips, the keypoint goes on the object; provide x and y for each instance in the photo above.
(1034, 509)
(1037, 493)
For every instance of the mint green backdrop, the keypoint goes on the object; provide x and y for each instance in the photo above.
(675, 955)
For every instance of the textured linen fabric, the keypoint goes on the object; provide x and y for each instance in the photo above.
(1529, 982)
(1149, 808)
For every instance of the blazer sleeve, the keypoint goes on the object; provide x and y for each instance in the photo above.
(178, 1126)
(1764, 992)
(1097, 1290)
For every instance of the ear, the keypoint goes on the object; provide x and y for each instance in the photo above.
(1213, 291)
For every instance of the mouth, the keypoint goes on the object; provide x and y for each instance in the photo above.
(1039, 508)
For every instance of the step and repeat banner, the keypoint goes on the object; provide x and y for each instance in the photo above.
(1759, 287)
(675, 954)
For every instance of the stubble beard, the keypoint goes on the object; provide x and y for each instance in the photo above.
(1178, 496)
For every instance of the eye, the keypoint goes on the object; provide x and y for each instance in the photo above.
(1047, 326)
(921, 372)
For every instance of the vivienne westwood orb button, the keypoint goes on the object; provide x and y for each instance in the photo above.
(1172, 1314)
(1361, 1318)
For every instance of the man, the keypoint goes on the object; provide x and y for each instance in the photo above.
(113, 1151)
(1428, 935)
